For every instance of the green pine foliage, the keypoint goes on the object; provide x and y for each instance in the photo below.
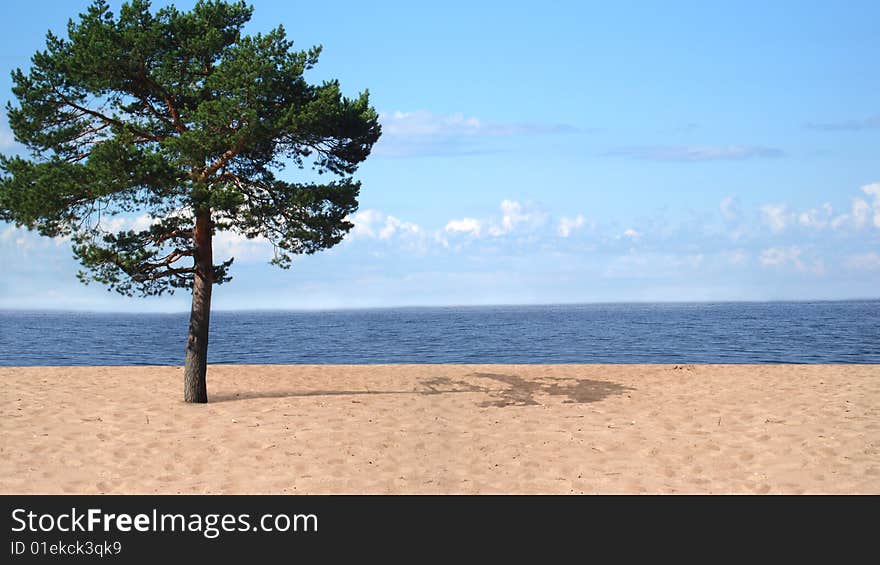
(177, 114)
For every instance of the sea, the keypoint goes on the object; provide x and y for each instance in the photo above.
(731, 332)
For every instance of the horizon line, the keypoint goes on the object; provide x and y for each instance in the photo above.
(448, 306)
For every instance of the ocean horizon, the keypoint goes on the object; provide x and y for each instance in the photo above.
(6, 309)
(819, 331)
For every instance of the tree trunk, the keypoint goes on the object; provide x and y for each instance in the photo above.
(196, 367)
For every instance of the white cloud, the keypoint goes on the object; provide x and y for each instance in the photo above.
(817, 219)
(393, 226)
(776, 216)
(468, 226)
(730, 208)
(774, 256)
(632, 234)
(874, 190)
(569, 225)
(514, 215)
(117, 224)
(865, 213)
(25, 240)
(511, 215)
(839, 221)
(364, 223)
(17, 237)
(794, 256)
(861, 212)
(865, 262)
(229, 244)
(376, 224)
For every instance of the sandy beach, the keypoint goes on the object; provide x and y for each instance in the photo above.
(380, 429)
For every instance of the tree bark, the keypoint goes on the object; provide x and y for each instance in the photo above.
(196, 366)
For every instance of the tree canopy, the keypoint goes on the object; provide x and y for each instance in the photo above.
(180, 116)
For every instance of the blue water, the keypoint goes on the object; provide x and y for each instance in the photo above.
(781, 332)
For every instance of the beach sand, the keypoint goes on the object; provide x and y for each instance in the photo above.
(411, 429)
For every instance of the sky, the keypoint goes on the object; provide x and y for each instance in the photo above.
(556, 152)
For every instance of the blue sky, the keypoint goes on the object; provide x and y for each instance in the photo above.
(559, 152)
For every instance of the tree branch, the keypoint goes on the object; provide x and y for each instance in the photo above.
(105, 118)
(225, 157)
(169, 102)
(138, 277)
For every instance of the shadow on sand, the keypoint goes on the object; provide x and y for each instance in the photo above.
(518, 392)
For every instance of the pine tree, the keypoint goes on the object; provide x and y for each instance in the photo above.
(180, 116)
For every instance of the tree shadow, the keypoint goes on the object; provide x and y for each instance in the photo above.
(522, 392)
(518, 392)
(249, 395)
